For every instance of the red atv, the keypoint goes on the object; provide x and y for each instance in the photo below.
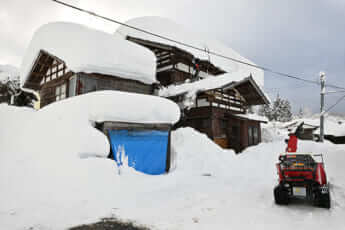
(300, 176)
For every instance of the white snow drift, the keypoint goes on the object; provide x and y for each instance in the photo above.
(87, 50)
(46, 183)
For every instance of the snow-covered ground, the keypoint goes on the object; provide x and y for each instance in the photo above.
(48, 182)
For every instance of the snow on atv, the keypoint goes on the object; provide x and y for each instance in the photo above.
(301, 176)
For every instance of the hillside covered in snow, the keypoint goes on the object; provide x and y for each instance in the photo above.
(54, 174)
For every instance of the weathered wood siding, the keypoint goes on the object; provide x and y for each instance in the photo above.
(86, 83)
(48, 89)
(222, 127)
(172, 76)
(96, 82)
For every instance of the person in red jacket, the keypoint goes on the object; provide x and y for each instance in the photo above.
(292, 144)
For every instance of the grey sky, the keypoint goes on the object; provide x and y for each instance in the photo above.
(300, 37)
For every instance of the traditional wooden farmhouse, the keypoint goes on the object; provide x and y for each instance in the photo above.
(218, 107)
(66, 60)
(82, 61)
(211, 101)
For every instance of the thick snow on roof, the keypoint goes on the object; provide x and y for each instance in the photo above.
(118, 106)
(251, 116)
(203, 85)
(8, 72)
(332, 127)
(87, 50)
(170, 29)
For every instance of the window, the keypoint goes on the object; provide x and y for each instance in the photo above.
(255, 135)
(60, 73)
(250, 135)
(60, 92)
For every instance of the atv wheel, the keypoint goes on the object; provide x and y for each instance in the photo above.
(281, 195)
(322, 200)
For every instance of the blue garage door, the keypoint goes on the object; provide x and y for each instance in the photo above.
(146, 150)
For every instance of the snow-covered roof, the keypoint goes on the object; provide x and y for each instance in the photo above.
(212, 82)
(251, 116)
(202, 85)
(170, 29)
(91, 51)
(111, 105)
(332, 127)
(8, 72)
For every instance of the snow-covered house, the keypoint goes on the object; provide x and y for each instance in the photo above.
(65, 59)
(70, 61)
(213, 93)
(302, 130)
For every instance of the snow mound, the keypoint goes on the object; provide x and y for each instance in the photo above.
(46, 184)
(87, 50)
(170, 29)
(271, 132)
(111, 105)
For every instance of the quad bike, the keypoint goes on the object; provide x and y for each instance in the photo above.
(300, 176)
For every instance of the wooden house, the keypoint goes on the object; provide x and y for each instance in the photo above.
(82, 61)
(176, 65)
(220, 100)
(217, 106)
(54, 81)
(59, 68)
(302, 130)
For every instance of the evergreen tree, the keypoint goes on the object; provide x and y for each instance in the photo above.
(280, 110)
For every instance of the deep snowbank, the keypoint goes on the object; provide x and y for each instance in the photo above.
(46, 184)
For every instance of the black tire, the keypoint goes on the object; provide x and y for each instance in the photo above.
(281, 195)
(322, 200)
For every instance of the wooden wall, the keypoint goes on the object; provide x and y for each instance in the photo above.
(221, 126)
(96, 82)
(91, 82)
(172, 76)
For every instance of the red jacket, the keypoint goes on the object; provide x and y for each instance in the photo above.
(292, 144)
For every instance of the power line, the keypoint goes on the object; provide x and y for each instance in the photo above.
(195, 47)
(338, 101)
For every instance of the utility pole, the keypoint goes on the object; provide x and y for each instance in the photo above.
(322, 110)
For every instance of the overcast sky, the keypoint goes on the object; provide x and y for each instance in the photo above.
(300, 37)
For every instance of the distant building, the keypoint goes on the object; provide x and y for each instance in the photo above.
(302, 130)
